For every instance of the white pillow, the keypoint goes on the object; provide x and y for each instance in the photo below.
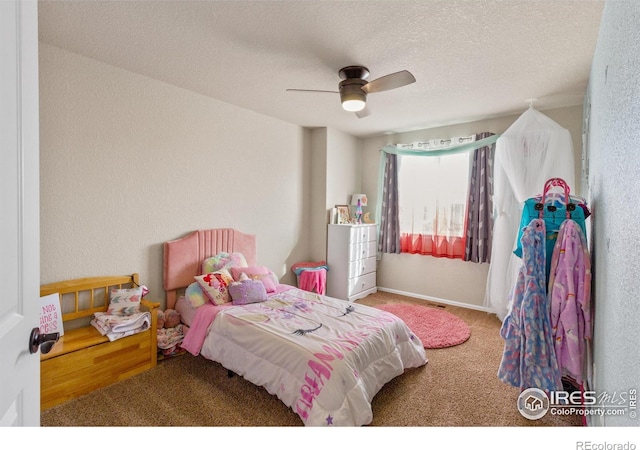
(124, 302)
(215, 285)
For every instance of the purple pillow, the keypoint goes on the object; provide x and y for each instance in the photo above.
(247, 291)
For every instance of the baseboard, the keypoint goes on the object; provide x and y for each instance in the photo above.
(436, 300)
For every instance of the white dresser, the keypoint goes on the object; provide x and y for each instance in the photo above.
(351, 258)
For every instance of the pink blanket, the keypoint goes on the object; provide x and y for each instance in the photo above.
(205, 314)
(313, 281)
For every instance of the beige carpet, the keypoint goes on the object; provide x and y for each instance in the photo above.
(457, 387)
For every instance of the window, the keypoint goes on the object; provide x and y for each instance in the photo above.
(432, 199)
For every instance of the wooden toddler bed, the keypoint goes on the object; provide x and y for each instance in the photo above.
(323, 357)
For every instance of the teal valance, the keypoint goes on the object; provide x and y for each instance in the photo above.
(405, 150)
(450, 150)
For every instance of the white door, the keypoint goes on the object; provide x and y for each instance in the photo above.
(19, 213)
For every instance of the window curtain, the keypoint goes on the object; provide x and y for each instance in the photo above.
(389, 241)
(479, 224)
(433, 194)
(388, 171)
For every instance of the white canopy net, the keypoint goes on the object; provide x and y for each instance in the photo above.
(532, 150)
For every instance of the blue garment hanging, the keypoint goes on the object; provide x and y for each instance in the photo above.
(529, 358)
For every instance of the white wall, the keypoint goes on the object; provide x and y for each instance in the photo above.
(442, 278)
(614, 189)
(128, 162)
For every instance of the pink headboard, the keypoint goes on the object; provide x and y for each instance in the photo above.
(183, 256)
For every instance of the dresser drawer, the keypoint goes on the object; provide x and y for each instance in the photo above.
(362, 251)
(362, 266)
(351, 257)
(362, 283)
(360, 234)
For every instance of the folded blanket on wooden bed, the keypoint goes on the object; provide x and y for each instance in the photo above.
(323, 357)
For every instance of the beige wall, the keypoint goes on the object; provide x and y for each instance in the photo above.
(336, 175)
(128, 162)
(318, 200)
(441, 278)
(343, 167)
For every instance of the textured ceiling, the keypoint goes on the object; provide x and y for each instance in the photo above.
(472, 59)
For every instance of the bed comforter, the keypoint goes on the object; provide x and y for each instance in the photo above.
(323, 357)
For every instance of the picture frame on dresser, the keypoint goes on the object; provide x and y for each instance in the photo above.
(344, 216)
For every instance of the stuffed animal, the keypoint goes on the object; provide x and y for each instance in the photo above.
(170, 333)
(168, 319)
(171, 318)
(161, 318)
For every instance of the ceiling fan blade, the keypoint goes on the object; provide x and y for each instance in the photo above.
(391, 81)
(311, 90)
(363, 113)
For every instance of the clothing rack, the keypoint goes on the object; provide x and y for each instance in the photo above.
(554, 210)
(550, 302)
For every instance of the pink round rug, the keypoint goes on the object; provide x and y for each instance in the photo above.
(435, 328)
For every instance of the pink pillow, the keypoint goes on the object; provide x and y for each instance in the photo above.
(251, 272)
(262, 273)
(269, 280)
(186, 310)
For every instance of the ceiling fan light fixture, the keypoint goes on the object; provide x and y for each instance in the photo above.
(352, 97)
(353, 102)
(354, 87)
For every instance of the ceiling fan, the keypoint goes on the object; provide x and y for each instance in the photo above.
(354, 87)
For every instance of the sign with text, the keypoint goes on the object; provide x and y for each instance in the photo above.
(51, 314)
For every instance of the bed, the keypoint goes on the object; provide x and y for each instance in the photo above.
(323, 357)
